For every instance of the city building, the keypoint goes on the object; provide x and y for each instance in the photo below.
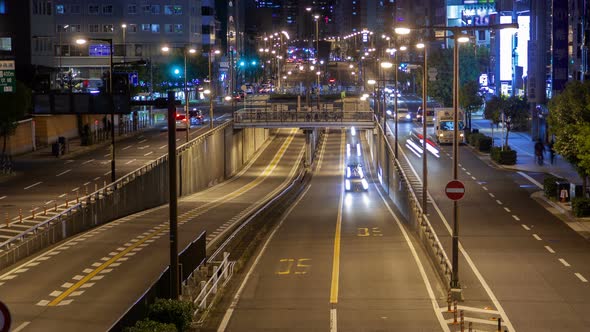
(14, 43)
(137, 28)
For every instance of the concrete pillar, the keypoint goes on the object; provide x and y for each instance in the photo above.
(308, 146)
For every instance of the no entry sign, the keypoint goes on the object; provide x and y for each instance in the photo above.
(455, 190)
(4, 318)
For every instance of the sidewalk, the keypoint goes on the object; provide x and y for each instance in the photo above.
(525, 162)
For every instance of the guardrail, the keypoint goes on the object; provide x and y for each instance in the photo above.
(283, 117)
(221, 274)
(413, 210)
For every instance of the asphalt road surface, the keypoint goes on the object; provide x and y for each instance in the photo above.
(78, 286)
(338, 261)
(533, 266)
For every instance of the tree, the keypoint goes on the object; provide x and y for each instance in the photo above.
(14, 107)
(470, 99)
(514, 110)
(569, 117)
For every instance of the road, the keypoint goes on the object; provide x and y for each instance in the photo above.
(76, 285)
(338, 261)
(514, 249)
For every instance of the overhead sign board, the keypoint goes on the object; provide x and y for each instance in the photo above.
(7, 78)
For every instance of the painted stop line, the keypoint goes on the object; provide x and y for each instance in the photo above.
(455, 190)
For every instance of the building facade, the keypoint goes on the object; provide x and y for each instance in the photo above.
(137, 28)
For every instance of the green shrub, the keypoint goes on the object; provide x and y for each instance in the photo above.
(550, 186)
(581, 206)
(151, 326)
(484, 144)
(505, 157)
(179, 313)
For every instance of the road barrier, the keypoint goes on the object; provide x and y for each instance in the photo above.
(395, 176)
(226, 150)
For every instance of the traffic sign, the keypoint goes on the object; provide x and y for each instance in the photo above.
(4, 318)
(455, 190)
(7, 79)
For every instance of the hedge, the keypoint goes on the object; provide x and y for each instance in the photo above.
(503, 157)
(581, 206)
(480, 141)
(175, 312)
(151, 326)
(550, 186)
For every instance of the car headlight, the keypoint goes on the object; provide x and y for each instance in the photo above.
(461, 135)
(389, 112)
(408, 116)
(440, 135)
(347, 184)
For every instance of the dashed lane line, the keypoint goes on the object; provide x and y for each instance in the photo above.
(507, 209)
(525, 227)
(3, 197)
(564, 262)
(581, 277)
(64, 172)
(130, 161)
(492, 195)
(550, 249)
(127, 147)
(88, 161)
(33, 185)
(147, 154)
(163, 146)
(142, 141)
(515, 217)
(537, 237)
(484, 188)
(499, 202)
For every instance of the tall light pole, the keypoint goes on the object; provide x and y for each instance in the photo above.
(212, 93)
(110, 41)
(60, 52)
(124, 27)
(317, 56)
(387, 65)
(424, 134)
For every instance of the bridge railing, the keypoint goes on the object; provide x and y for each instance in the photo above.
(265, 115)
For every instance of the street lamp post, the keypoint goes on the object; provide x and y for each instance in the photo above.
(317, 56)
(124, 26)
(424, 134)
(60, 52)
(212, 94)
(110, 41)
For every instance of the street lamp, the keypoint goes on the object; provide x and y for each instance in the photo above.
(65, 27)
(317, 56)
(424, 135)
(211, 96)
(186, 51)
(82, 41)
(124, 26)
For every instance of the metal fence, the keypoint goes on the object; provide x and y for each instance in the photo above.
(333, 115)
(204, 161)
(397, 183)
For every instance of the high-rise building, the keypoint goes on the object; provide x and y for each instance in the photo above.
(137, 28)
(14, 43)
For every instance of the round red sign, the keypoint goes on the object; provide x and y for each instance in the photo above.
(455, 190)
(4, 318)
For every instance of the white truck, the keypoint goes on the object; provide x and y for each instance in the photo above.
(444, 125)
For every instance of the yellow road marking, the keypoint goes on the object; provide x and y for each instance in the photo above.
(336, 259)
(242, 190)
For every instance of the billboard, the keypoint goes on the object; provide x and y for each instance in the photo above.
(559, 54)
(514, 47)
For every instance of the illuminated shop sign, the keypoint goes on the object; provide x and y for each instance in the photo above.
(478, 2)
(477, 16)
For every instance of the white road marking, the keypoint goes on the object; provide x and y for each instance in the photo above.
(107, 173)
(473, 177)
(95, 179)
(499, 202)
(130, 161)
(525, 227)
(106, 155)
(24, 324)
(49, 202)
(142, 141)
(507, 209)
(580, 277)
(76, 189)
(564, 262)
(147, 154)
(178, 139)
(550, 249)
(467, 173)
(69, 161)
(484, 188)
(333, 320)
(533, 181)
(64, 172)
(33, 185)
(3, 197)
(88, 161)
(62, 195)
(492, 195)
(537, 237)
(515, 217)
(163, 146)
(127, 147)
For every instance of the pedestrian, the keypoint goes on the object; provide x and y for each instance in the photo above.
(539, 150)
(551, 151)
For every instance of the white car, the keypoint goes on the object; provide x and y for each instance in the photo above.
(402, 114)
(355, 178)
